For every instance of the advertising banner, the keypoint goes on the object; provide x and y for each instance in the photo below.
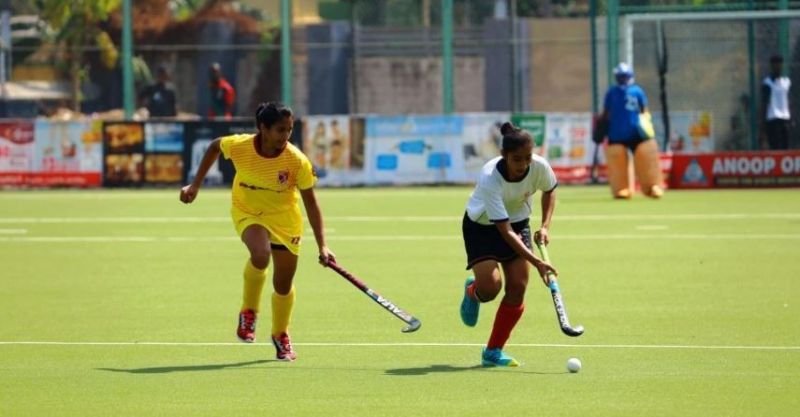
(481, 141)
(68, 153)
(414, 149)
(568, 146)
(329, 141)
(690, 131)
(16, 151)
(535, 124)
(736, 170)
(198, 136)
(123, 148)
(163, 153)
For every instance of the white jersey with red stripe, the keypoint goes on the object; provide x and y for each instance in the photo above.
(497, 199)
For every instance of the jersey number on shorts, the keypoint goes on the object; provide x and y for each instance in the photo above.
(296, 240)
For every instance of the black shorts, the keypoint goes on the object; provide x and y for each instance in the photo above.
(277, 246)
(632, 144)
(778, 132)
(484, 242)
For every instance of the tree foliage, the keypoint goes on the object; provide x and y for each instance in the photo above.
(76, 24)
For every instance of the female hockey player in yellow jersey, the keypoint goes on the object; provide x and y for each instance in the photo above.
(266, 215)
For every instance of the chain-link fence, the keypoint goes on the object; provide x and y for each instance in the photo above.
(713, 77)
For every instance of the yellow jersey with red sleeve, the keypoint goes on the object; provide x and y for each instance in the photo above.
(265, 190)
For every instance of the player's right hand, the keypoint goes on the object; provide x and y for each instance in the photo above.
(188, 193)
(326, 257)
(545, 269)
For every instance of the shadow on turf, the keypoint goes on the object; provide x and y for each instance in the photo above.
(190, 368)
(433, 369)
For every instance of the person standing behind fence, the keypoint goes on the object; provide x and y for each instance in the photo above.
(159, 97)
(775, 115)
(626, 121)
(222, 94)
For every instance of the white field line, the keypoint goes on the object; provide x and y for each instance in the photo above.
(390, 238)
(586, 217)
(218, 193)
(81, 220)
(652, 227)
(419, 344)
(407, 219)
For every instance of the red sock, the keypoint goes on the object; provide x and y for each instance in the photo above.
(471, 292)
(504, 322)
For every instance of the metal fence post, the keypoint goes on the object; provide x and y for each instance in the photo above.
(286, 52)
(612, 35)
(127, 64)
(447, 56)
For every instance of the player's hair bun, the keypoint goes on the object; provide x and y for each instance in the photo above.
(507, 128)
(514, 137)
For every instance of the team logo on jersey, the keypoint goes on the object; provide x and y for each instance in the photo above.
(283, 177)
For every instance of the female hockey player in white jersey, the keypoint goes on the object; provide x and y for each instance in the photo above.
(497, 234)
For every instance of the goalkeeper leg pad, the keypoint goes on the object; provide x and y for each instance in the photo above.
(648, 170)
(619, 177)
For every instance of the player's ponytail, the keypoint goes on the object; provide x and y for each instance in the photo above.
(514, 137)
(270, 113)
(508, 128)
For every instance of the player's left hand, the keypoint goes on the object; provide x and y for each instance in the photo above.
(326, 256)
(542, 236)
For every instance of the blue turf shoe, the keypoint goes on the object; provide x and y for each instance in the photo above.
(496, 357)
(469, 307)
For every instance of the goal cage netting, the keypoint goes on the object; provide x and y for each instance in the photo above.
(710, 66)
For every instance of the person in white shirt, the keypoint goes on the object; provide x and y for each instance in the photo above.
(497, 234)
(776, 120)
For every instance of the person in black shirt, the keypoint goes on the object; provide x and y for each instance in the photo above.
(159, 97)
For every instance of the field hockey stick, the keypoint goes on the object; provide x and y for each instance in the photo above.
(595, 161)
(413, 322)
(558, 301)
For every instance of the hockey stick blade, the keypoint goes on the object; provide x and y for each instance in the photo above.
(558, 301)
(413, 322)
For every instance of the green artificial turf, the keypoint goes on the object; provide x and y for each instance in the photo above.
(690, 306)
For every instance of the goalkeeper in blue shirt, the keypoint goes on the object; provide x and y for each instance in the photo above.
(627, 123)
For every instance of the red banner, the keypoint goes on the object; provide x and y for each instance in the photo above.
(50, 179)
(736, 170)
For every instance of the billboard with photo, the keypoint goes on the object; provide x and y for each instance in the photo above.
(335, 146)
(123, 148)
(163, 153)
(68, 153)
